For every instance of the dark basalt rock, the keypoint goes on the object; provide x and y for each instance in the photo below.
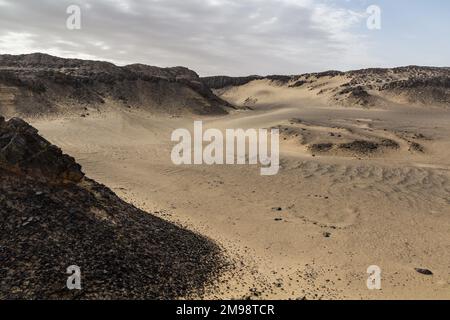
(321, 147)
(357, 92)
(45, 227)
(44, 84)
(298, 83)
(388, 143)
(279, 78)
(366, 87)
(425, 272)
(360, 146)
(417, 147)
(23, 151)
(219, 82)
(413, 83)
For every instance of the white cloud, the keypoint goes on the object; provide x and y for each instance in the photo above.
(16, 42)
(210, 36)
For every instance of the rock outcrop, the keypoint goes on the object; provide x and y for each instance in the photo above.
(52, 217)
(40, 84)
(22, 150)
(366, 87)
(219, 82)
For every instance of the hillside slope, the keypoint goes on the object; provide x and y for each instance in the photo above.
(413, 85)
(40, 84)
(53, 217)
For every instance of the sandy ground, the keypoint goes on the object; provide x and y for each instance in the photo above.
(340, 212)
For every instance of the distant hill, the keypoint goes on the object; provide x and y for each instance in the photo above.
(366, 88)
(40, 84)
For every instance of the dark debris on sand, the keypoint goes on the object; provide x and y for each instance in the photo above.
(52, 217)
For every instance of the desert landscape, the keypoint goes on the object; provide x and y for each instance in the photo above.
(364, 180)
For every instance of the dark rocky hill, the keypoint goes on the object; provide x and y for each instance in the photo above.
(53, 217)
(219, 82)
(366, 87)
(40, 84)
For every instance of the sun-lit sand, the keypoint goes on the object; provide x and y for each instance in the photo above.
(312, 230)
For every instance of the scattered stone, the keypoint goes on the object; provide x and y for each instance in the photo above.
(255, 292)
(24, 151)
(123, 252)
(360, 146)
(388, 143)
(321, 147)
(425, 272)
(414, 146)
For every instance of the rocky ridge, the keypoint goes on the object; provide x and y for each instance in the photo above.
(40, 84)
(367, 87)
(53, 217)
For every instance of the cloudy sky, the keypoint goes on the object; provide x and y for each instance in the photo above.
(233, 37)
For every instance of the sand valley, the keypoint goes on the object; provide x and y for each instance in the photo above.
(364, 175)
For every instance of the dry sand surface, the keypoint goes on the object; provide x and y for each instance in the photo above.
(357, 187)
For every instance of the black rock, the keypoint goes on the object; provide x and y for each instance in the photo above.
(24, 151)
(42, 82)
(425, 272)
(47, 225)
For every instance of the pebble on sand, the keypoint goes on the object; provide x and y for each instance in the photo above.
(424, 271)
